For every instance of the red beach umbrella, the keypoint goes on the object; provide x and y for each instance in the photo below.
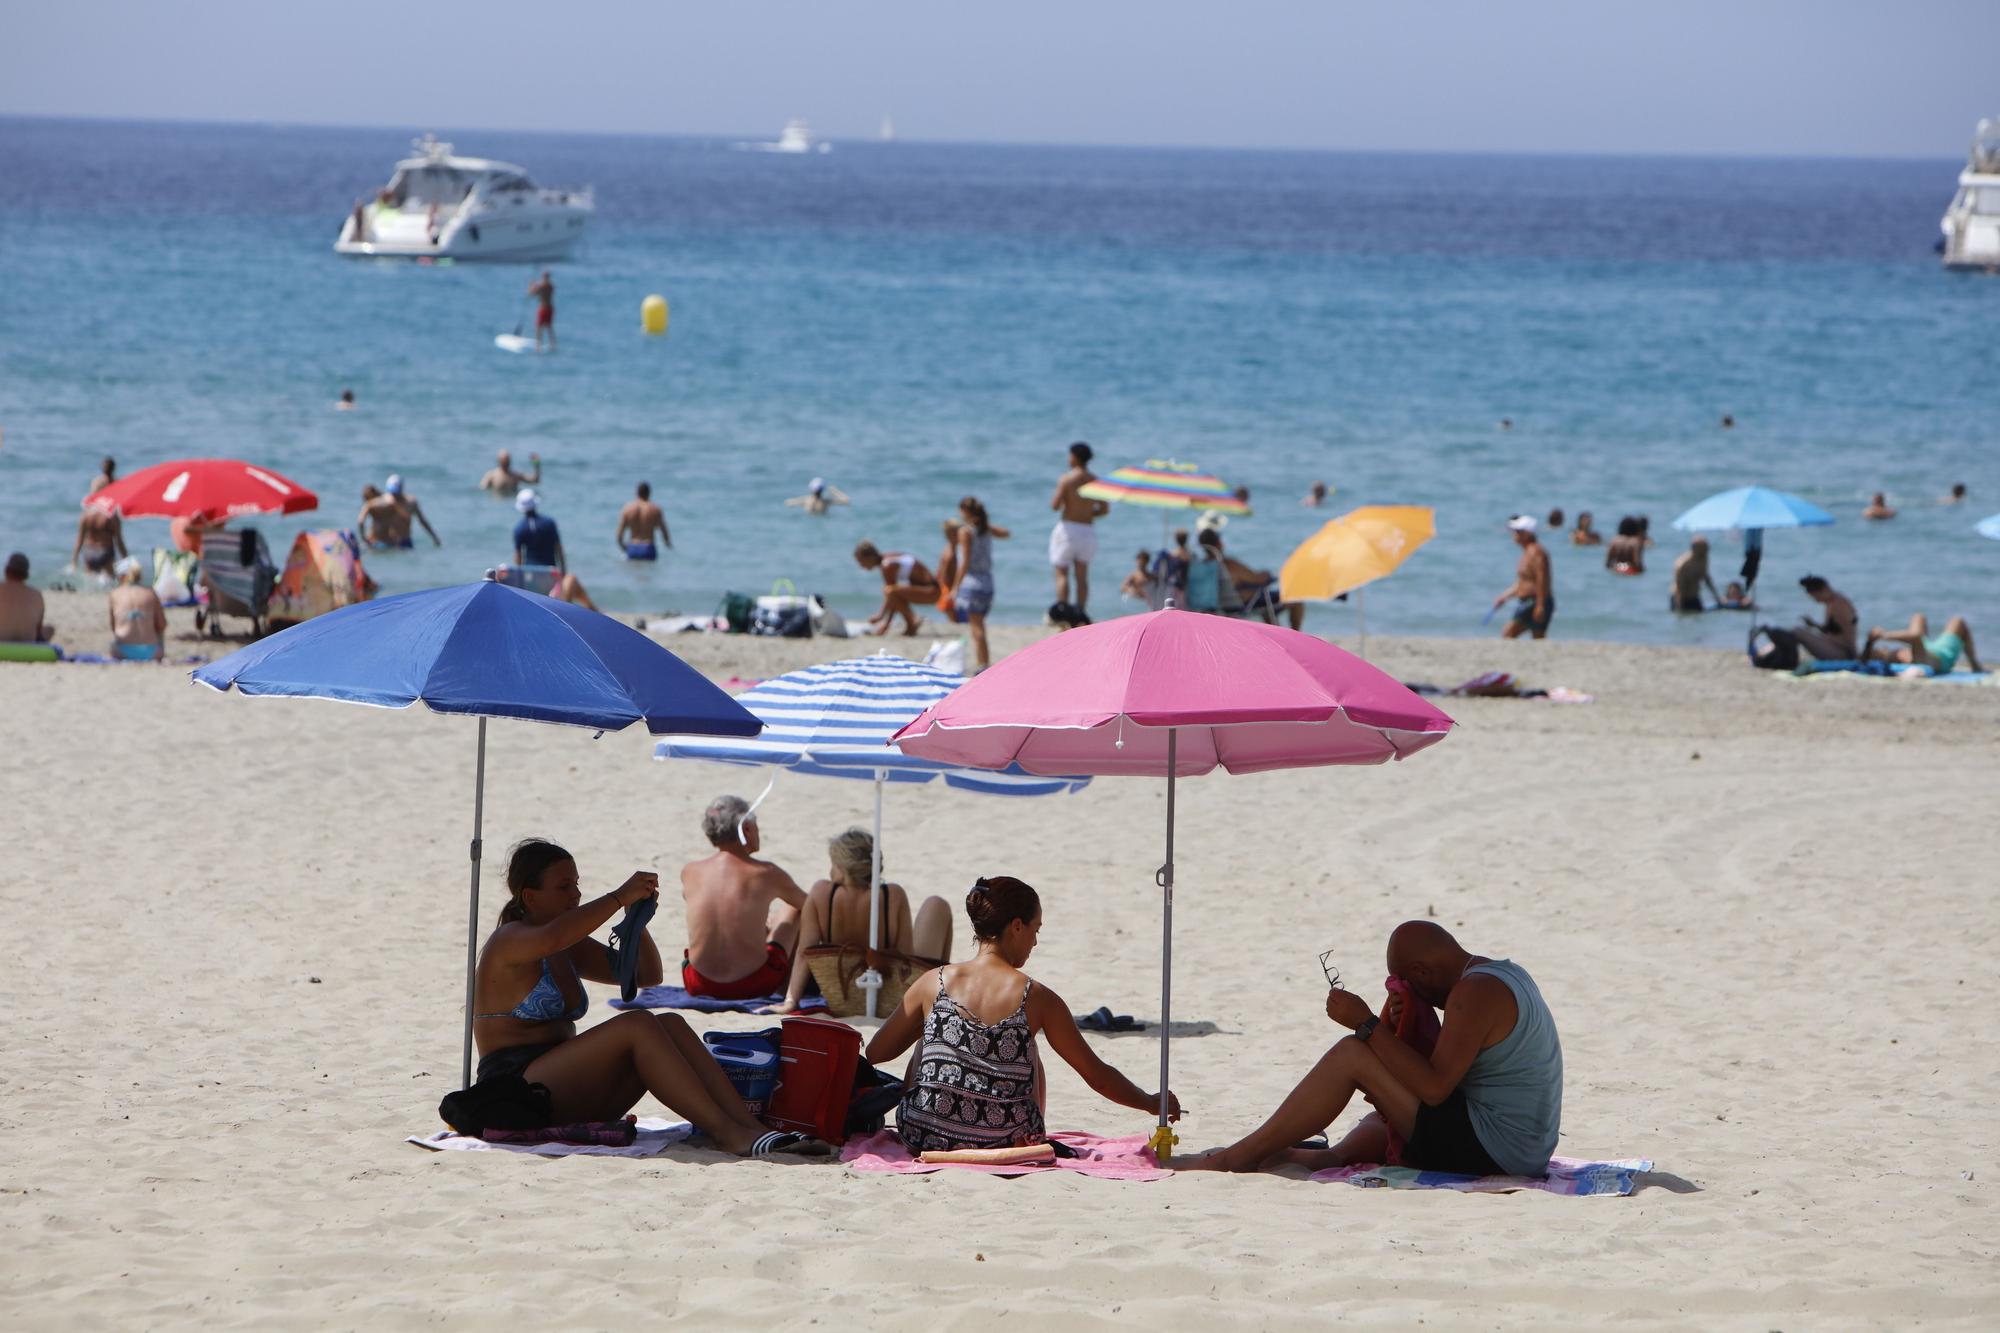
(207, 488)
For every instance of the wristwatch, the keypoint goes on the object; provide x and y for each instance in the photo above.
(1367, 1028)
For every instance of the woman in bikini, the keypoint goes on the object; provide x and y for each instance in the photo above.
(975, 1080)
(529, 995)
(837, 912)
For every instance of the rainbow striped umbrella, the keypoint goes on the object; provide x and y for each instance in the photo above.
(1166, 484)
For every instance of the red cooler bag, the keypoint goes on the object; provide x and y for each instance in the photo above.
(816, 1062)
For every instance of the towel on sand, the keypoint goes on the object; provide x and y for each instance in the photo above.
(674, 997)
(1108, 1159)
(655, 1135)
(1567, 1175)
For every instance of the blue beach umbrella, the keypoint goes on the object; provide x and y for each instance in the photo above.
(1751, 507)
(835, 721)
(485, 650)
(1989, 527)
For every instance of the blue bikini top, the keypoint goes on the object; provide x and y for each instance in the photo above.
(545, 1004)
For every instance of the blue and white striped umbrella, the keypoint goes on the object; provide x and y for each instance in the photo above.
(835, 721)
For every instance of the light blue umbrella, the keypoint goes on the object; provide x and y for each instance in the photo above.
(487, 650)
(835, 721)
(1751, 507)
(1990, 527)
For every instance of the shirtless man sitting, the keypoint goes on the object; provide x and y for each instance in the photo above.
(637, 522)
(503, 480)
(1834, 639)
(742, 913)
(1486, 1100)
(21, 605)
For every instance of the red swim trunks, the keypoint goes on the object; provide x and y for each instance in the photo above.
(769, 979)
(545, 316)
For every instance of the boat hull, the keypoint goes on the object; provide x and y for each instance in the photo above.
(527, 237)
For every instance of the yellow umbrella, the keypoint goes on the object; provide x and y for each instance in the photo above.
(1355, 549)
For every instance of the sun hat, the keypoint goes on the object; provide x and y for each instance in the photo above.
(1522, 523)
(526, 501)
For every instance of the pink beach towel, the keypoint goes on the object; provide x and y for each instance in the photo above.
(1107, 1159)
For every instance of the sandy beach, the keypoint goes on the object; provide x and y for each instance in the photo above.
(1755, 907)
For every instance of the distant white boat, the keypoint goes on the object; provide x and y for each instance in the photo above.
(794, 138)
(1972, 223)
(446, 207)
(888, 134)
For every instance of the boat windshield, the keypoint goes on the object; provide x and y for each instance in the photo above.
(421, 187)
(508, 181)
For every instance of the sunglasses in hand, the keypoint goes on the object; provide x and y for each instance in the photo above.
(1332, 972)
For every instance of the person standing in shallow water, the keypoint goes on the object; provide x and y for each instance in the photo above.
(1534, 585)
(1073, 542)
(637, 522)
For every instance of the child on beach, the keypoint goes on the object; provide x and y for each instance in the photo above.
(1138, 584)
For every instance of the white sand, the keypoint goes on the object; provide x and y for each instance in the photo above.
(1762, 913)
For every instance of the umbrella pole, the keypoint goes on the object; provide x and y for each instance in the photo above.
(1164, 1138)
(871, 980)
(472, 911)
(1361, 617)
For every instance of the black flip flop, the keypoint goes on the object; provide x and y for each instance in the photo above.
(624, 945)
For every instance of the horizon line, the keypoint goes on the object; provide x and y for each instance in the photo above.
(1083, 145)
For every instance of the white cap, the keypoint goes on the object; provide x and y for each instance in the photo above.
(128, 565)
(395, 483)
(1213, 519)
(1522, 523)
(816, 485)
(526, 501)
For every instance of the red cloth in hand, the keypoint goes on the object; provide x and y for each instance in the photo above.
(1418, 1029)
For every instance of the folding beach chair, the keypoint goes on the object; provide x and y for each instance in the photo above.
(237, 572)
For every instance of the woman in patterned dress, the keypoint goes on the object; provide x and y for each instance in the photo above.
(976, 1078)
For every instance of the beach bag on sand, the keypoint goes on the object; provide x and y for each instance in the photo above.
(817, 1062)
(751, 1061)
(505, 1102)
(735, 610)
(793, 622)
(1780, 654)
(838, 968)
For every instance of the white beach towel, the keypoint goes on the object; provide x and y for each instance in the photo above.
(655, 1136)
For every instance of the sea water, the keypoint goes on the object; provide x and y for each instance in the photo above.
(919, 322)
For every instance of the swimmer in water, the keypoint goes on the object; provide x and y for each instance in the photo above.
(346, 401)
(1878, 509)
(504, 481)
(637, 522)
(397, 509)
(818, 497)
(1317, 495)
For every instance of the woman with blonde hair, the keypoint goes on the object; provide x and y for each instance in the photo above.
(837, 911)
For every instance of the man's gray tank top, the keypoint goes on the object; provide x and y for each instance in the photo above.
(979, 560)
(1513, 1092)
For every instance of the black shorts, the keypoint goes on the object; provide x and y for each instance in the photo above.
(1524, 614)
(511, 1060)
(1444, 1140)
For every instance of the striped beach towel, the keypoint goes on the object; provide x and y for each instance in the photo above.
(1567, 1175)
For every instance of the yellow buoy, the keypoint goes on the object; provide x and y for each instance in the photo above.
(653, 314)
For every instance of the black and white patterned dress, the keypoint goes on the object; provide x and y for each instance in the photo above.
(974, 1085)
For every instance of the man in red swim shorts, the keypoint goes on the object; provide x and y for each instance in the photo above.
(545, 313)
(742, 913)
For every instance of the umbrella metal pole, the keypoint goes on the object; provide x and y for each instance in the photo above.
(472, 912)
(1164, 1138)
(871, 980)
(1361, 617)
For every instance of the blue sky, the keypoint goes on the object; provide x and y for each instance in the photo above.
(1839, 77)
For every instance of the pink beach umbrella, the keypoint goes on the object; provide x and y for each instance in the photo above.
(1174, 694)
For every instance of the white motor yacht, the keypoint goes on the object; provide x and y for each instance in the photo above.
(442, 206)
(794, 138)
(1972, 223)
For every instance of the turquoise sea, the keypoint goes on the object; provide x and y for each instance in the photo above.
(916, 322)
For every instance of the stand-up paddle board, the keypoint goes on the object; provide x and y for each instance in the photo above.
(513, 342)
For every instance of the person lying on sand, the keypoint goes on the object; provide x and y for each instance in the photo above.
(742, 913)
(837, 911)
(905, 584)
(1918, 648)
(529, 995)
(975, 1080)
(1486, 1101)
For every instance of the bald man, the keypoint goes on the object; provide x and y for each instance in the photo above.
(1486, 1101)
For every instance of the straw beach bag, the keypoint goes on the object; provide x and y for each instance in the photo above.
(837, 968)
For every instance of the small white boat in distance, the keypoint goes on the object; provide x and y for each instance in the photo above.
(441, 206)
(1972, 223)
(794, 138)
(888, 134)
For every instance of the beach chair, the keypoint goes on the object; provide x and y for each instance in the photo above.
(1164, 579)
(238, 576)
